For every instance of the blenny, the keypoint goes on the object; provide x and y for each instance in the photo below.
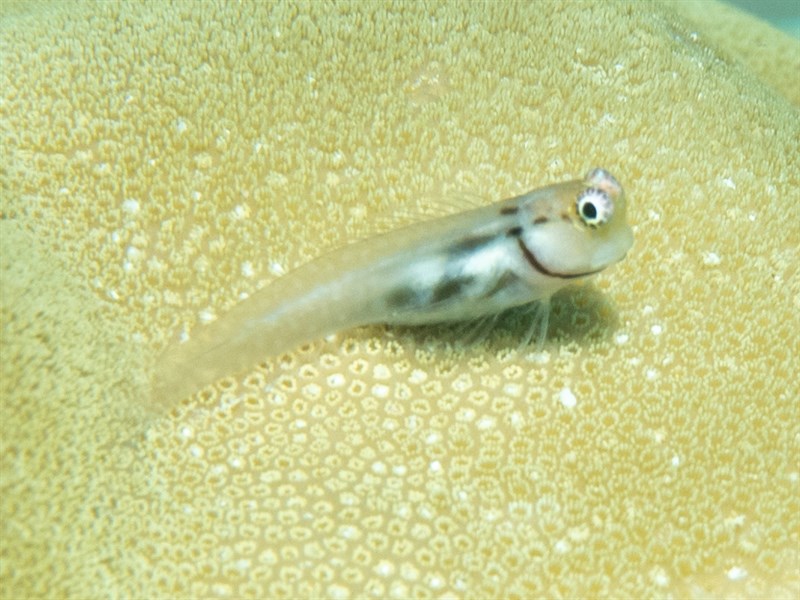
(465, 266)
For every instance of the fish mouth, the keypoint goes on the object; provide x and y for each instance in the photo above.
(534, 262)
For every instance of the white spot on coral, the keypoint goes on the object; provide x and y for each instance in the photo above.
(181, 126)
(607, 118)
(186, 432)
(381, 372)
(462, 383)
(736, 573)
(221, 589)
(676, 461)
(659, 576)
(465, 415)
(379, 468)
(578, 534)
(491, 515)
(728, 182)
(433, 438)
(276, 269)
(242, 564)
(486, 422)
(435, 466)
(435, 582)
(400, 470)
(735, 521)
(384, 568)
(130, 206)
(268, 557)
(418, 376)
(711, 258)
(247, 269)
(338, 592)
(567, 398)
(425, 511)
(380, 391)
(622, 338)
(399, 590)
(540, 358)
(336, 380)
(133, 253)
(409, 572)
(207, 315)
(656, 329)
(562, 546)
(276, 399)
(240, 211)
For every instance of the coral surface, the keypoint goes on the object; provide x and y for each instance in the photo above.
(160, 161)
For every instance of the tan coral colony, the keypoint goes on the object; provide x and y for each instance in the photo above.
(161, 162)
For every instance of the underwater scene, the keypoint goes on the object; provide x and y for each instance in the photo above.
(398, 300)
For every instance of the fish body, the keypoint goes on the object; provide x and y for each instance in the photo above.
(459, 267)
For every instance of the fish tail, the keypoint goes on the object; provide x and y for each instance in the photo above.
(256, 328)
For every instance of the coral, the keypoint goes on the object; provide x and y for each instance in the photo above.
(159, 162)
(772, 55)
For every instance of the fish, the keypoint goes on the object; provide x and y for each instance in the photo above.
(471, 265)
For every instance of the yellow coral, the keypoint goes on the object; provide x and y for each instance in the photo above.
(771, 54)
(161, 161)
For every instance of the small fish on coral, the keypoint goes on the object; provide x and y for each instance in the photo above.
(464, 266)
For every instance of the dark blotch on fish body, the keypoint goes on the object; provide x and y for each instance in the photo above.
(450, 288)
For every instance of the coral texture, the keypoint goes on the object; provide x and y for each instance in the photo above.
(772, 55)
(160, 161)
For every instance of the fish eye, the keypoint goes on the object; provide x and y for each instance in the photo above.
(594, 207)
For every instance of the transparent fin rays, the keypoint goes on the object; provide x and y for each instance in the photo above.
(537, 315)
